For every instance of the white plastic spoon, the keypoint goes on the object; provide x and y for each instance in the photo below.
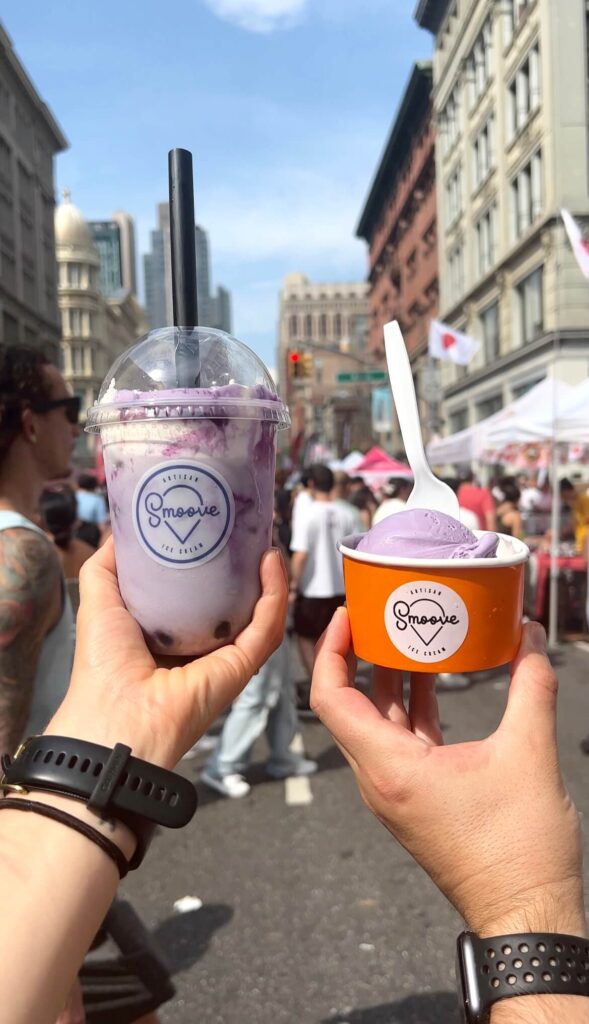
(428, 491)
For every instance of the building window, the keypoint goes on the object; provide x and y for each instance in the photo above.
(308, 326)
(455, 273)
(292, 326)
(526, 196)
(74, 275)
(337, 326)
(530, 300)
(485, 237)
(77, 353)
(488, 406)
(322, 325)
(516, 12)
(480, 62)
(75, 322)
(490, 327)
(10, 332)
(412, 264)
(450, 122)
(458, 420)
(483, 158)
(454, 195)
(523, 93)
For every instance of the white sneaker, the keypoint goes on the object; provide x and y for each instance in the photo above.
(233, 786)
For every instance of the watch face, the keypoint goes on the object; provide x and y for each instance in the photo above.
(467, 982)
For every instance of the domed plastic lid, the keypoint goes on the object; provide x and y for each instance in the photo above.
(187, 373)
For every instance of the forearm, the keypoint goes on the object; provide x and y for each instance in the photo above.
(566, 916)
(52, 907)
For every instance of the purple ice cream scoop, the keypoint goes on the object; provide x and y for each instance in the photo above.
(425, 533)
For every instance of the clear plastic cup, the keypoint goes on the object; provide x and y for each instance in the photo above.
(190, 479)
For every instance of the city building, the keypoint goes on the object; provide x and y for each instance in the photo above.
(128, 250)
(511, 107)
(400, 225)
(323, 335)
(29, 139)
(115, 241)
(95, 329)
(214, 310)
(107, 239)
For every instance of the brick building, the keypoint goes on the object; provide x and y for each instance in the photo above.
(399, 224)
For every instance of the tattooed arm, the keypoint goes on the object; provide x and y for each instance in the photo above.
(30, 605)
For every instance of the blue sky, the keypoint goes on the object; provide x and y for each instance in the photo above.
(285, 104)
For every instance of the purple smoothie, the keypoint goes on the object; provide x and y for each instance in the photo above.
(190, 479)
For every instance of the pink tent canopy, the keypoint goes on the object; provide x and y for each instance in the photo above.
(377, 461)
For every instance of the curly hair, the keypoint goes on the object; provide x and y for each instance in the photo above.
(22, 383)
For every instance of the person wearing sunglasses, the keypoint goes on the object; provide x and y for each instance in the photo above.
(38, 432)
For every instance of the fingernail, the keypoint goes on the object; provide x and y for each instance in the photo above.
(535, 637)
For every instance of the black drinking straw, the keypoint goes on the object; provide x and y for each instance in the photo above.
(183, 255)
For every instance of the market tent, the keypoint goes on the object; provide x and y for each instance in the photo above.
(573, 422)
(349, 463)
(377, 467)
(524, 419)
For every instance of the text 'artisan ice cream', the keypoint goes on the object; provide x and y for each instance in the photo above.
(190, 479)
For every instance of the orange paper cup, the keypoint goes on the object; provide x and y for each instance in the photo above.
(444, 615)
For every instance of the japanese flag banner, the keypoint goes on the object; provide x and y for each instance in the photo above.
(580, 246)
(446, 343)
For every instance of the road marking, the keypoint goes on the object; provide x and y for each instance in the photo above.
(298, 791)
(582, 645)
(298, 787)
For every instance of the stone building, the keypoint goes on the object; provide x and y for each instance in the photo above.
(29, 139)
(328, 323)
(95, 329)
(400, 225)
(511, 105)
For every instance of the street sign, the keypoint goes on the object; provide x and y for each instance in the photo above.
(360, 375)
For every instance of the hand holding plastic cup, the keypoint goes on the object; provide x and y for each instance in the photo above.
(190, 479)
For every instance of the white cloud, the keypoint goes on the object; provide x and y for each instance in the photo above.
(259, 15)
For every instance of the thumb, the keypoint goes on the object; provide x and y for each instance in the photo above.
(531, 705)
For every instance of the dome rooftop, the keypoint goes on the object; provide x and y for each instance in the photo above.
(70, 227)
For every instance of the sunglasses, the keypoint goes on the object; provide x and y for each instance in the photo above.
(71, 406)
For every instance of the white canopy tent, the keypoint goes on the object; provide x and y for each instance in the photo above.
(525, 419)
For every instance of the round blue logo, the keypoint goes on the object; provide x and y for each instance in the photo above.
(183, 513)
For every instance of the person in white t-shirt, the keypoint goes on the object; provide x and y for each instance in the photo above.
(317, 579)
(396, 493)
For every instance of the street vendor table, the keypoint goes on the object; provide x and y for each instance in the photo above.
(566, 563)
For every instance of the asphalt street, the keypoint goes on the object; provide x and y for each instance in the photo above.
(311, 913)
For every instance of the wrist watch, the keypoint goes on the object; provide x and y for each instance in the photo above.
(110, 782)
(539, 963)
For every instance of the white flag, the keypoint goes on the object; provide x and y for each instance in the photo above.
(580, 246)
(446, 343)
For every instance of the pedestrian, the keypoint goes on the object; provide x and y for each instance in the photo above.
(266, 705)
(341, 496)
(396, 493)
(38, 432)
(59, 511)
(92, 510)
(317, 580)
(478, 500)
(363, 499)
(507, 495)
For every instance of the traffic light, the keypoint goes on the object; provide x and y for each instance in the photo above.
(307, 364)
(300, 364)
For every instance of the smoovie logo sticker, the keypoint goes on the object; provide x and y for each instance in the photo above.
(426, 621)
(183, 513)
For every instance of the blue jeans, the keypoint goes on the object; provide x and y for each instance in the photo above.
(267, 703)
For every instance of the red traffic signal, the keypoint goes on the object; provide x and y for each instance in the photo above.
(294, 357)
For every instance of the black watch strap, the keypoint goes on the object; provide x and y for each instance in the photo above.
(515, 965)
(111, 782)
